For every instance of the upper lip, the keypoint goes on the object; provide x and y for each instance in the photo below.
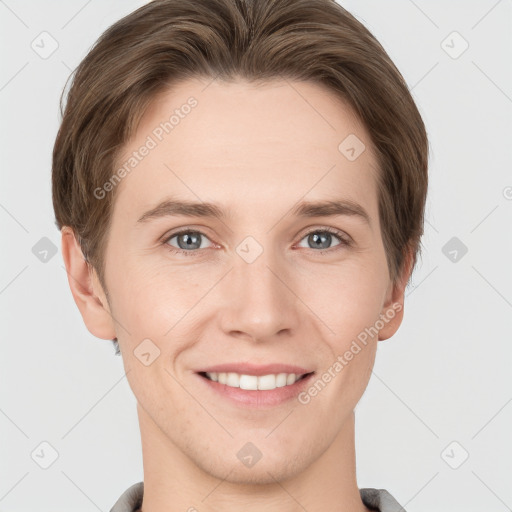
(254, 369)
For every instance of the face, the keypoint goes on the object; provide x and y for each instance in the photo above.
(253, 280)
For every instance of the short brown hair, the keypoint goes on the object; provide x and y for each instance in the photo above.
(165, 41)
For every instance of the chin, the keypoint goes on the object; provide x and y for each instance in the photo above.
(262, 475)
(267, 470)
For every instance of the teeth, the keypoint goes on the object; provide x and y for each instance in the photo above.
(253, 382)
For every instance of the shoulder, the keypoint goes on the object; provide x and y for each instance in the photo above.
(130, 500)
(380, 500)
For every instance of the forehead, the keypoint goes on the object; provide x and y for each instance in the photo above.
(247, 145)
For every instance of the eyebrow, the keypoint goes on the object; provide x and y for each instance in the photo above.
(171, 207)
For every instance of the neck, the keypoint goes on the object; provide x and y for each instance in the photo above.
(173, 482)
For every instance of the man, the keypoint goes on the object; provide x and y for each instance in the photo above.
(240, 186)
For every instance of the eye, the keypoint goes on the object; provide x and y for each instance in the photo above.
(188, 242)
(322, 239)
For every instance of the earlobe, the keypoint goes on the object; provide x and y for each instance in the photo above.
(86, 289)
(393, 311)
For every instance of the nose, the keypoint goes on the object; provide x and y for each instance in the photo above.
(260, 302)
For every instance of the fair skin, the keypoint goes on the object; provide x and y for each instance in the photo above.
(255, 151)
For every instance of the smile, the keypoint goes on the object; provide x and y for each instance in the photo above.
(254, 382)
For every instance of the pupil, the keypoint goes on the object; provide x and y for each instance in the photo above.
(318, 238)
(190, 240)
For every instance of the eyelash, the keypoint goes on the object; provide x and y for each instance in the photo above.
(344, 241)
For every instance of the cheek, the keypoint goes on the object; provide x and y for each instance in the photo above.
(347, 298)
(153, 299)
(350, 307)
(159, 309)
(154, 311)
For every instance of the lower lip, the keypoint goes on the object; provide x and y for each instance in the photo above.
(258, 398)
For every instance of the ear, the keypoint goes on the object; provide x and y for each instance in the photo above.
(393, 311)
(86, 289)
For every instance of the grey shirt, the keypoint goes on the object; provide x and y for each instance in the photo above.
(375, 499)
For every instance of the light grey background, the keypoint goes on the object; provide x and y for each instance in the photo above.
(442, 386)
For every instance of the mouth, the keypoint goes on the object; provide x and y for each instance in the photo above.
(264, 391)
(255, 382)
(257, 386)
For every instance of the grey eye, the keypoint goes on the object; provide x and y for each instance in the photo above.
(187, 240)
(320, 239)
